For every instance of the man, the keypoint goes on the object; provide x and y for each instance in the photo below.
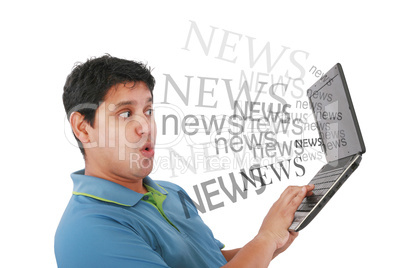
(120, 217)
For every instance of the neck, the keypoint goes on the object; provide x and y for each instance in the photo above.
(132, 183)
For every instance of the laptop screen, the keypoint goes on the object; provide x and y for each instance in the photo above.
(335, 116)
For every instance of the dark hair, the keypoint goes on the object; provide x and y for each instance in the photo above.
(88, 83)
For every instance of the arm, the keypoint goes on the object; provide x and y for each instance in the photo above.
(273, 236)
(229, 254)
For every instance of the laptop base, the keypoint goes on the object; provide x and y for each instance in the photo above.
(327, 182)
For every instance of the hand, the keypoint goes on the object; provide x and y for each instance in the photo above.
(280, 216)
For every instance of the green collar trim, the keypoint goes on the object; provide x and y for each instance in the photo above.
(100, 198)
(156, 198)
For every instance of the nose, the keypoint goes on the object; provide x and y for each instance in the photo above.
(144, 126)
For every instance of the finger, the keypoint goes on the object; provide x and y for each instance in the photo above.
(287, 190)
(290, 193)
(296, 201)
(294, 234)
(309, 193)
(310, 189)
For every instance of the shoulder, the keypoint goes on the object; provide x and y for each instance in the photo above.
(86, 219)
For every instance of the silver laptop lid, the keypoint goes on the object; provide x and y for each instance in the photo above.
(335, 115)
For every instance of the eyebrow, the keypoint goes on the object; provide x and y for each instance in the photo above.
(133, 102)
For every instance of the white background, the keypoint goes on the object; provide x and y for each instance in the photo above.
(41, 41)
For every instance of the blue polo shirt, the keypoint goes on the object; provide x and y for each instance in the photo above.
(108, 225)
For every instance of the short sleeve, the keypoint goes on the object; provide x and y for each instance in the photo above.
(219, 243)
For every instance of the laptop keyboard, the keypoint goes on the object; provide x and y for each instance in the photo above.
(322, 181)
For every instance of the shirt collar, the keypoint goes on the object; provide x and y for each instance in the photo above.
(109, 191)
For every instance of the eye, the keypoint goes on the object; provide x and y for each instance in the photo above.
(125, 114)
(149, 112)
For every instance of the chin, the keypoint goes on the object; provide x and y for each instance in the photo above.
(144, 169)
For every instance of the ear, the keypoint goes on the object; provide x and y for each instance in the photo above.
(80, 127)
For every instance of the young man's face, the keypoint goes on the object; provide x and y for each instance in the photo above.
(123, 135)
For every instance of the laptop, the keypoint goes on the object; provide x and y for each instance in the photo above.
(341, 140)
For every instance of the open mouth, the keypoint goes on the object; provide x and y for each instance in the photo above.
(147, 150)
(147, 147)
